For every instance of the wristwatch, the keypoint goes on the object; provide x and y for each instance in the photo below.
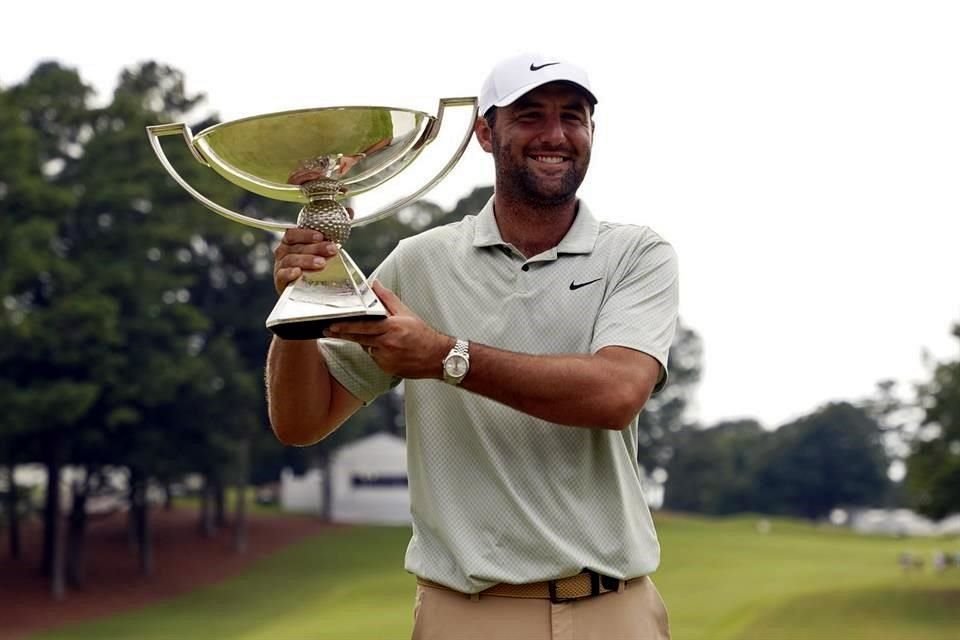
(457, 363)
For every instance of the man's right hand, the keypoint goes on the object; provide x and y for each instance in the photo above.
(299, 251)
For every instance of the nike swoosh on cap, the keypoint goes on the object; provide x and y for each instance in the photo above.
(537, 67)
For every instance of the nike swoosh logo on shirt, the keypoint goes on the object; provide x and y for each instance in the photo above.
(576, 285)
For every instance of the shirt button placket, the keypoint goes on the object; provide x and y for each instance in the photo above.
(523, 280)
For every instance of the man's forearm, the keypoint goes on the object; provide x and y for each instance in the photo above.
(605, 390)
(298, 391)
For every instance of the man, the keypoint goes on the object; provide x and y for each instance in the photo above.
(530, 336)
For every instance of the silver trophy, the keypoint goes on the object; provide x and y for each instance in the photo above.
(318, 157)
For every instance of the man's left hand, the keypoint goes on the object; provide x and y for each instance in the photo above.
(402, 345)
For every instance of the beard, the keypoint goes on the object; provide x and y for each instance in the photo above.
(516, 180)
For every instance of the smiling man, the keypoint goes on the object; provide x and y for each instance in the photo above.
(530, 336)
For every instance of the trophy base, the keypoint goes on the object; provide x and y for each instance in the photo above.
(311, 329)
(339, 293)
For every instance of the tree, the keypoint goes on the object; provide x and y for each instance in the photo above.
(830, 458)
(713, 470)
(53, 320)
(933, 467)
(102, 342)
(663, 417)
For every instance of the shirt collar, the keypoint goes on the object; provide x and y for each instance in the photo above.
(581, 237)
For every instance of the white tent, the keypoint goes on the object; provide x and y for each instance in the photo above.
(369, 481)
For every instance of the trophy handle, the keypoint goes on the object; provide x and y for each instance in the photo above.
(431, 135)
(154, 132)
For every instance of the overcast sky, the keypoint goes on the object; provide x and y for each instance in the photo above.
(802, 157)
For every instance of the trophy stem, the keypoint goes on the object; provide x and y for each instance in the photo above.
(323, 212)
(340, 290)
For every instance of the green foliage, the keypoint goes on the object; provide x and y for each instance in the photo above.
(662, 419)
(933, 468)
(101, 342)
(712, 470)
(831, 458)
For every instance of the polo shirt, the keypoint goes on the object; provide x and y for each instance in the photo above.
(497, 495)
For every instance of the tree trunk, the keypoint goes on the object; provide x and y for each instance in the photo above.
(131, 515)
(58, 582)
(141, 519)
(220, 504)
(146, 538)
(13, 518)
(51, 511)
(326, 489)
(393, 413)
(76, 536)
(240, 520)
(204, 507)
(208, 527)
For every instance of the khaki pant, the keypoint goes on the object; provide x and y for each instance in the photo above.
(635, 613)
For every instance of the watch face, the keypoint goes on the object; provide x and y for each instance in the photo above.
(455, 366)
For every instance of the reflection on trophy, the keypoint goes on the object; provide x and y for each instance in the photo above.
(318, 157)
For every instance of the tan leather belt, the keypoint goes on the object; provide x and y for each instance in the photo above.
(582, 585)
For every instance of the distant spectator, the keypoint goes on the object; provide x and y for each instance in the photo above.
(910, 562)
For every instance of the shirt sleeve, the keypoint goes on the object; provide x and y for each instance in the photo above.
(640, 311)
(349, 364)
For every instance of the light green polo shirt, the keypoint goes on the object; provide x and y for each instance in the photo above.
(497, 495)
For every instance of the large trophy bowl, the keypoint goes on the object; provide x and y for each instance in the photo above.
(318, 157)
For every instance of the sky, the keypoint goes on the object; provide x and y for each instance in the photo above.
(802, 157)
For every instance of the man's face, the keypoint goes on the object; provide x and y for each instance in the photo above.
(541, 144)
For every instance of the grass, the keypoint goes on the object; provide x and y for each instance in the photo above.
(721, 579)
(347, 583)
(905, 612)
(230, 502)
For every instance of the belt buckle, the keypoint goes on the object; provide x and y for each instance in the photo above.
(610, 584)
(594, 588)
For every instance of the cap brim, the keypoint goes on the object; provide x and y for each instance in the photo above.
(513, 97)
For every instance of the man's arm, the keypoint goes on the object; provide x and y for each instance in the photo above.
(305, 402)
(604, 390)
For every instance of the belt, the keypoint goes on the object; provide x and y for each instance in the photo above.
(582, 585)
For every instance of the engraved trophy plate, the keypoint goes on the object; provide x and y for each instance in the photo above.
(317, 157)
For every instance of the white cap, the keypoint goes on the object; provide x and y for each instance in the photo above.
(516, 76)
